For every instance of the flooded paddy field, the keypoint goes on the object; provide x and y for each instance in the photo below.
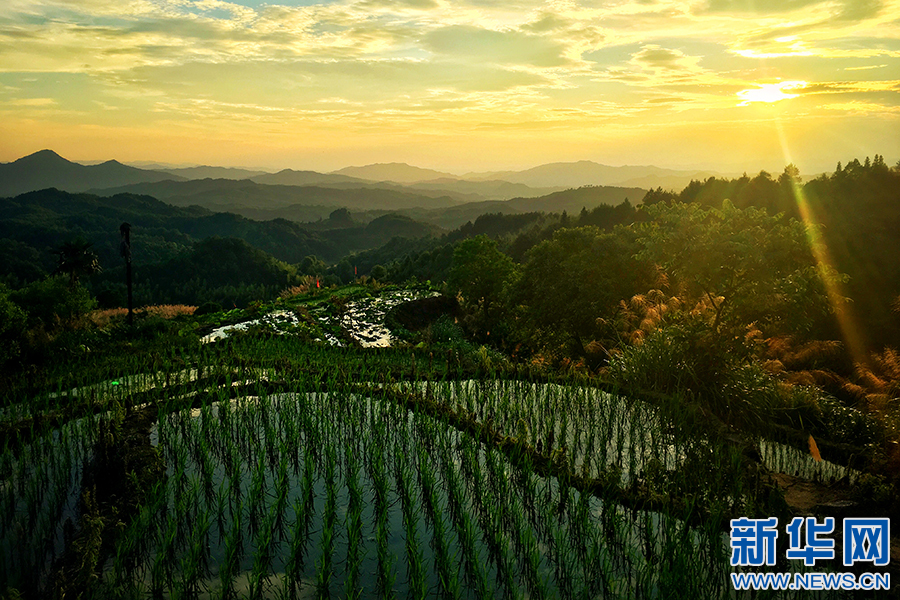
(275, 467)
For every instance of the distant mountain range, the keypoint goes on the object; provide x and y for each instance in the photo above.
(549, 177)
(233, 196)
(206, 172)
(309, 203)
(441, 199)
(291, 177)
(32, 223)
(47, 169)
(397, 172)
(585, 172)
(570, 200)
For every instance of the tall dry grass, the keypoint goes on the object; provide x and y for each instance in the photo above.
(108, 316)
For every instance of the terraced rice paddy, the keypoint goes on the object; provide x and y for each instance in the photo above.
(363, 320)
(292, 470)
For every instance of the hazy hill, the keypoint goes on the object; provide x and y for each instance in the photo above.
(207, 172)
(398, 172)
(667, 182)
(488, 175)
(487, 190)
(537, 181)
(394, 225)
(451, 217)
(291, 177)
(47, 169)
(163, 190)
(235, 196)
(571, 201)
(586, 172)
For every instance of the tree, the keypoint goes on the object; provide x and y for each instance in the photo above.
(52, 304)
(481, 274)
(311, 265)
(340, 218)
(76, 259)
(790, 176)
(748, 266)
(344, 271)
(578, 276)
(761, 191)
(660, 195)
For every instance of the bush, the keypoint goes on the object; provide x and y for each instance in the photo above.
(208, 308)
(12, 327)
(445, 332)
(379, 273)
(685, 358)
(53, 303)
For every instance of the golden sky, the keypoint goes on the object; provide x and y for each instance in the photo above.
(462, 86)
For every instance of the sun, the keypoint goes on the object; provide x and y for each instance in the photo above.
(771, 92)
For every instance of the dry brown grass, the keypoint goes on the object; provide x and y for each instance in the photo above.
(169, 311)
(642, 314)
(800, 363)
(107, 316)
(294, 290)
(878, 384)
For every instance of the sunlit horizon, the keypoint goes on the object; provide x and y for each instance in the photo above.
(458, 87)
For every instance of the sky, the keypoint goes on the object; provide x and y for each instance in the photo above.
(470, 85)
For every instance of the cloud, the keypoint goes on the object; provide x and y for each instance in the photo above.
(858, 107)
(656, 57)
(549, 22)
(860, 10)
(32, 102)
(400, 4)
(756, 6)
(294, 84)
(509, 47)
(653, 65)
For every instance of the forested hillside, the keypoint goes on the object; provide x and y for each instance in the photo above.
(856, 212)
(32, 225)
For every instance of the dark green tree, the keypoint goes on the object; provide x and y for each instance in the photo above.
(379, 273)
(52, 303)
(481, 274)
(746, 265)
(76, 259)
(574, 279)
(311, 265)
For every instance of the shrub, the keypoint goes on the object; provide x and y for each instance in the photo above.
(208, 308)
(53, 303)
(12, 327)
(446, 332)
(686, 358)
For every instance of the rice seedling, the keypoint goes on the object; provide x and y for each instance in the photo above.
(369, 474)
(327, 541)
(444, 561)
(354, 560)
